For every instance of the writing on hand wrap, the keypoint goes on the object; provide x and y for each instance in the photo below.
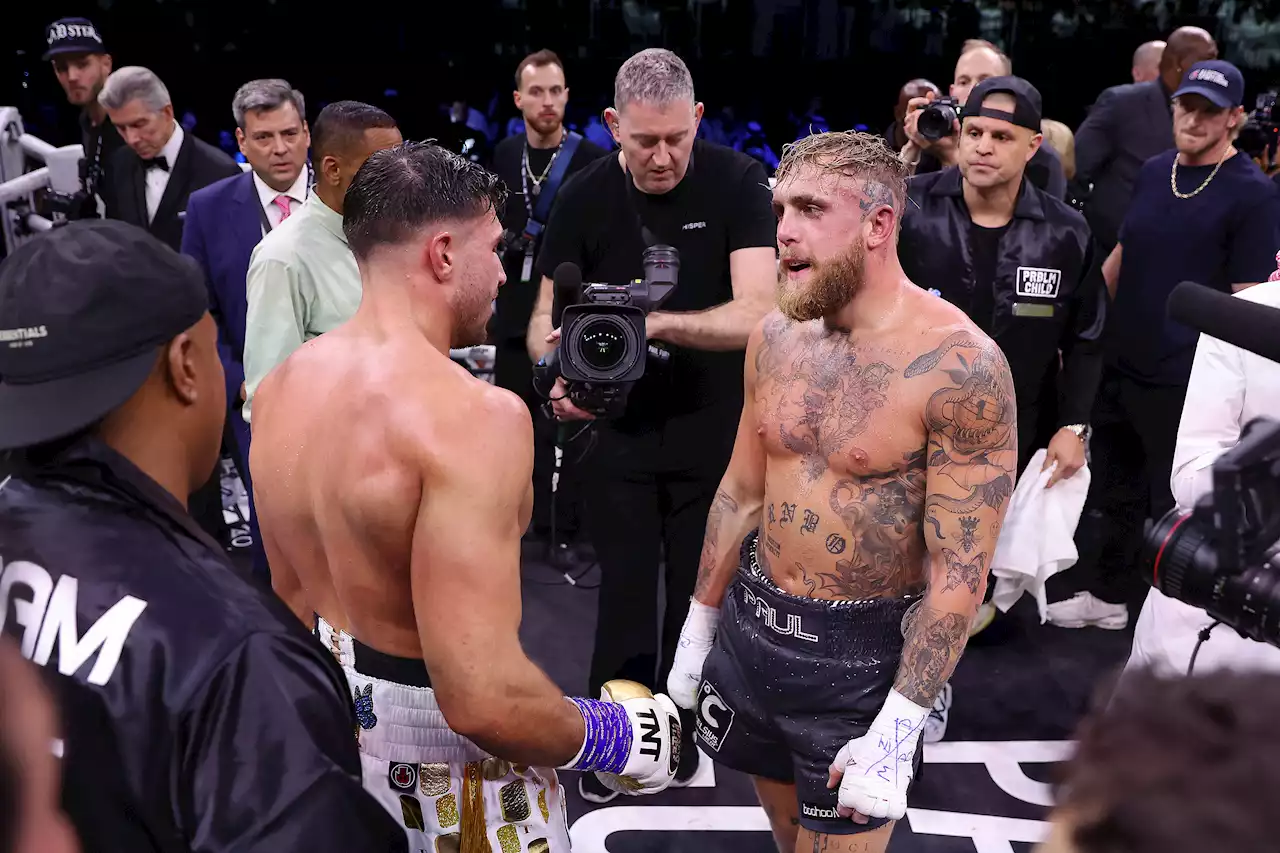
(607, 745)
(903, 730)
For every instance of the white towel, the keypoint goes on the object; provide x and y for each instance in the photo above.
(1038, 537)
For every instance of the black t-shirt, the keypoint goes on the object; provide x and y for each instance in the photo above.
(984, 245)
(516, 297)
(1226, 234)
(723, 204)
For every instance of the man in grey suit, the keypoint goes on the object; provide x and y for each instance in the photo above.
(1128, 125)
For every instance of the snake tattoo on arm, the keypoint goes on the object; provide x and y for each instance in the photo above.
(972, 463)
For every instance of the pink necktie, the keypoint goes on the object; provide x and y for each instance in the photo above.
(282, 202)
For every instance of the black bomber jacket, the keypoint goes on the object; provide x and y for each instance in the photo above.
(1049, 292)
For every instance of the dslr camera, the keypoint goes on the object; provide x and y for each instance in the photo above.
(603, 345)
(937, 119)
(1221, 556)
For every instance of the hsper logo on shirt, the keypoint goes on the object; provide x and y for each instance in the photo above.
(1038, 282)
(693, 226)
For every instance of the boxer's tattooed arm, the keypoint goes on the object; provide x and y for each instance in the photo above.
(960, 573)
(971, 465)
(722, 504)
(933, 645)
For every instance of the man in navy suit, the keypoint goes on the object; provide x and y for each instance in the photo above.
(226, 220)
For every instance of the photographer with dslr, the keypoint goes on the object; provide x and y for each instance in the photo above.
(933, 124)
(655, 469)
(1229, 387)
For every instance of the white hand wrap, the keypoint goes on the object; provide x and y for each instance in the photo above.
(696, 637)
(879, 765)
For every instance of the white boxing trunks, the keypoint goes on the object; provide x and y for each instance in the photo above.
(449, 794)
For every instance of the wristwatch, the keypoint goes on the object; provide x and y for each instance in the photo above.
(1082, 431)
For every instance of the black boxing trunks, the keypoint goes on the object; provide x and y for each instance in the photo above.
(791, 680)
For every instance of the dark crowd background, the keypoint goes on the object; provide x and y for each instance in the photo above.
(768, 70)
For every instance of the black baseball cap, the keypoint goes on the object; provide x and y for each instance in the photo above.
(72, 35)
(1028, 106)
(84, 312)
(1216, 79)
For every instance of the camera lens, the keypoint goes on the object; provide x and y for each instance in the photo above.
(603, 347)
(936, 122)
(1180, 557)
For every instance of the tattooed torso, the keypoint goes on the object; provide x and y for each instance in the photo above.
(850, 428)
(846, 445)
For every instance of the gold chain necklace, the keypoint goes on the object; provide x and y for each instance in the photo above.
(1173, 176)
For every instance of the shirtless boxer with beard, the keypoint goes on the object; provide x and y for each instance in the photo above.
(393, 488)
(848, 547)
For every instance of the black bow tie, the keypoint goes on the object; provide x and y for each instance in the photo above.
(156, 163)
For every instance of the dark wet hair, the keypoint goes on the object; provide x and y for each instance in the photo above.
(401, 189)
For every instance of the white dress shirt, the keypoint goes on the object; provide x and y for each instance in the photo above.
(267, 197)
(158, 179)
(1229, 387)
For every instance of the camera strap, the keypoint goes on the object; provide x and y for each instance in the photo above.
(633, 193)
(540, 211)
(649, 238)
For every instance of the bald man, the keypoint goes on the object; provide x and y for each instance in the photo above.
(1146, 61)
(1128, 125)
(918, 88)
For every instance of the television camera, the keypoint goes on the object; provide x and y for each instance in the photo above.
(603, 347)
(1222, 556)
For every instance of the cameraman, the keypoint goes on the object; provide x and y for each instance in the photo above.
(978, 61)
(656, 469)
(1229, 387)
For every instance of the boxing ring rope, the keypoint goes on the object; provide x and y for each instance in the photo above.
(60, 174)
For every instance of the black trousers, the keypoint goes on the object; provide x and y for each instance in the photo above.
(513, 370)
(646, 513)
(1135, 428)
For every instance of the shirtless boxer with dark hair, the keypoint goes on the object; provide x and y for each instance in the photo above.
(393, 488)
(848, 547)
